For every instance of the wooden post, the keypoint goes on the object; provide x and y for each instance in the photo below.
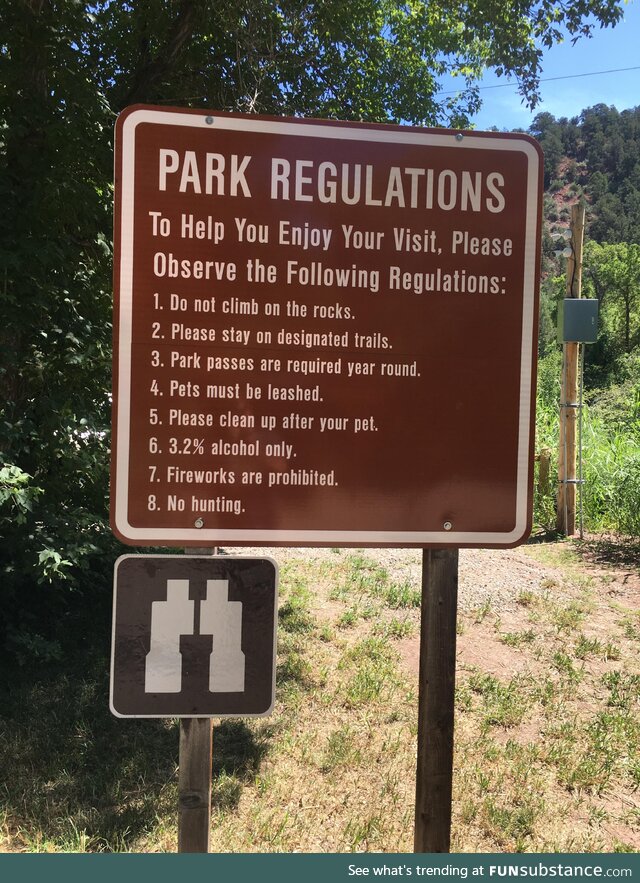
(194, 774)
(434, 775)
(566, 515)
(194, 784)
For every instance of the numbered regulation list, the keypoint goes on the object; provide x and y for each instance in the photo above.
(318, 337)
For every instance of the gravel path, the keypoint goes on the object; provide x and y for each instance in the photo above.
(498, 575)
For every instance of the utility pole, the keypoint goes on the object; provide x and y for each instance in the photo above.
(566, 516)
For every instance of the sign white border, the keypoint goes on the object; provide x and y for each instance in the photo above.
(204, 536)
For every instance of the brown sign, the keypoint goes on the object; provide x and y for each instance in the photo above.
(325, 333)
(193, 636)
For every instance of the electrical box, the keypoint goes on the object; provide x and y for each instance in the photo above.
(578, 320)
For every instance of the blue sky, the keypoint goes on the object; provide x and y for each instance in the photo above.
(610, 48)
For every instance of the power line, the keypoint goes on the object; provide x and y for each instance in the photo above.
(617, 70)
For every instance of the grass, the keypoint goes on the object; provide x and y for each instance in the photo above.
(371, 674)
(586, 647)
(395, 628)
(341, 750)
(611, 455)
(500, 704)
(546, 756)
(517, 639)
(364, 579)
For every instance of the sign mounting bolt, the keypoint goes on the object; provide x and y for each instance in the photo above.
(199, 522)
(459, 136)
(447, 525)
(208, 121)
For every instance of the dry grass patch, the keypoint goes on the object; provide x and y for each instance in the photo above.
(550, 762)
(340, 769)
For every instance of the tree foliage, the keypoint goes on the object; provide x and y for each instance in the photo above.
(596, 156)
(67, 68)
(600, 152)
(613, 276)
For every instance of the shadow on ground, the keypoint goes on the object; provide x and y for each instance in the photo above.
(610, 551)
(75, 778)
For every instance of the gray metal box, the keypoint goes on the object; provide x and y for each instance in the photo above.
(578, 320)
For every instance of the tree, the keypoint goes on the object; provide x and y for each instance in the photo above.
(548, 133)
(68, 68)
(609, 222)
(614, 271)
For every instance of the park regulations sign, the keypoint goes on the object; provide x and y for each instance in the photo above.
(325, 333)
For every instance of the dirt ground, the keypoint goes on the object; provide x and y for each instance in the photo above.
(612, 567)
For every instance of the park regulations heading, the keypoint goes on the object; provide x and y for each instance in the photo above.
(324, 333)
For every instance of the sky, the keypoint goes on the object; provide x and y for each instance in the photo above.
(609, 49)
